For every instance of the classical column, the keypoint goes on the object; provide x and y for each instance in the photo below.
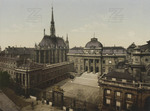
(19, 78)
(94, 66)
(88, 65)
(26, 85)
(25, 80)
(16, 77)
(84, 66)
(28, 80)
(100, 66)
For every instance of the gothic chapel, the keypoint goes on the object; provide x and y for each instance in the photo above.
(51, 49)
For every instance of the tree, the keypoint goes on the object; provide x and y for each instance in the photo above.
(4, 79)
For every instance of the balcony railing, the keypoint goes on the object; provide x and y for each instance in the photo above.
(125, 84)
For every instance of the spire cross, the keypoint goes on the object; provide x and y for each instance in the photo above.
(52, 28)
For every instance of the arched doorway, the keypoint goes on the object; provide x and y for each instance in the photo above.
(86, 68)
(97, 69)
(147, 104)
(91, 69)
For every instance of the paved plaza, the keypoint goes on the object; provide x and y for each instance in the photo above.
(6, 104)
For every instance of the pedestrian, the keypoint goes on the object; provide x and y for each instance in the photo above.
(32, 105)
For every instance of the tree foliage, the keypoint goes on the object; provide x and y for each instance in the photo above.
(4, 79)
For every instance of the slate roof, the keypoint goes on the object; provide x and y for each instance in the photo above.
(106, 50)
(19, 50)
(52, 41)
(119, 75)
(30, 65)
(114, 50)
(76, 50)
(145, 47)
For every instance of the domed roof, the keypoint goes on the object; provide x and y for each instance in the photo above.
(52, 41)
(93, 44)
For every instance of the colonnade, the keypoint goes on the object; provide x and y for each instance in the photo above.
(92, 65)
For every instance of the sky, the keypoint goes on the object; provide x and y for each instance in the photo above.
(113, 22)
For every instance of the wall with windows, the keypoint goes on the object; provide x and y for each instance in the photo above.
(119, 98)
(87, 63)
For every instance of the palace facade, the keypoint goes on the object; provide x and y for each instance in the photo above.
(128, 88)
(96, 58)
(121, 92)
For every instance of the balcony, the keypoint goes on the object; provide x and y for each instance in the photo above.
(121, 84)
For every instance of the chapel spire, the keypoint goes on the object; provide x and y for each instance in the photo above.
(52, 28)
(67, 41)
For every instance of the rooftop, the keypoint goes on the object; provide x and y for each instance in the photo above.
(53, 42)
(119, 75)
(114, 50)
